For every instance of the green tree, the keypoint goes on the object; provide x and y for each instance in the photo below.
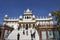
(56, 15)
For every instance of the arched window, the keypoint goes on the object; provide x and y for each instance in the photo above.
(25, 17)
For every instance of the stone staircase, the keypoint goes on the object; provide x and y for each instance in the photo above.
(14, 33)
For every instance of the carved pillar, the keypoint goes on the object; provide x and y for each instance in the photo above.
(22, 25)
(46, 34)
(31, 25)
(40, 35)
(28, 25)
(25, 25)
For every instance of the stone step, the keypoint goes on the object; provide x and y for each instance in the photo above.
(13, 34)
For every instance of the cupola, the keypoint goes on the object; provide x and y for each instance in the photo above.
(28, 11)
(49, 15)
(6, 16)
(20, 17)
(33, 17)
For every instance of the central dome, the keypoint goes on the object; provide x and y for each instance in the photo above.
(28, 11)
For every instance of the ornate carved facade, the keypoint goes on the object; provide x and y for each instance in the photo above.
(43, 26)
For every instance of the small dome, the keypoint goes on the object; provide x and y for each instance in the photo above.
(20, 17)
(28, 10)
(6, 15)
(49, 14)
(33, 16)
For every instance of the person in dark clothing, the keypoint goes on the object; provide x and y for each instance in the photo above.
(23, 32)
(31, 36)
(18, 36)
(18, 28)
(34, 34)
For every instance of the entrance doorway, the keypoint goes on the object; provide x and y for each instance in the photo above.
(43, 35)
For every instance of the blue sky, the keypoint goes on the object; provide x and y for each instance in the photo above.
(14, 8)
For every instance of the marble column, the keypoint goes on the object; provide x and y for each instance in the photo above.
(31, 25)
(28, 25)
(25, 25)
(22, 25)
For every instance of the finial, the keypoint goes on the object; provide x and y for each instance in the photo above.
(37, 16)
(24, 10)
(43, 16)
(40, 16)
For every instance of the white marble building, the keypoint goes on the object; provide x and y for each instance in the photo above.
(28, 17)
(28, 21)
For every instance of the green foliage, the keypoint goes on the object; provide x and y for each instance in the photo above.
(56, 14)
